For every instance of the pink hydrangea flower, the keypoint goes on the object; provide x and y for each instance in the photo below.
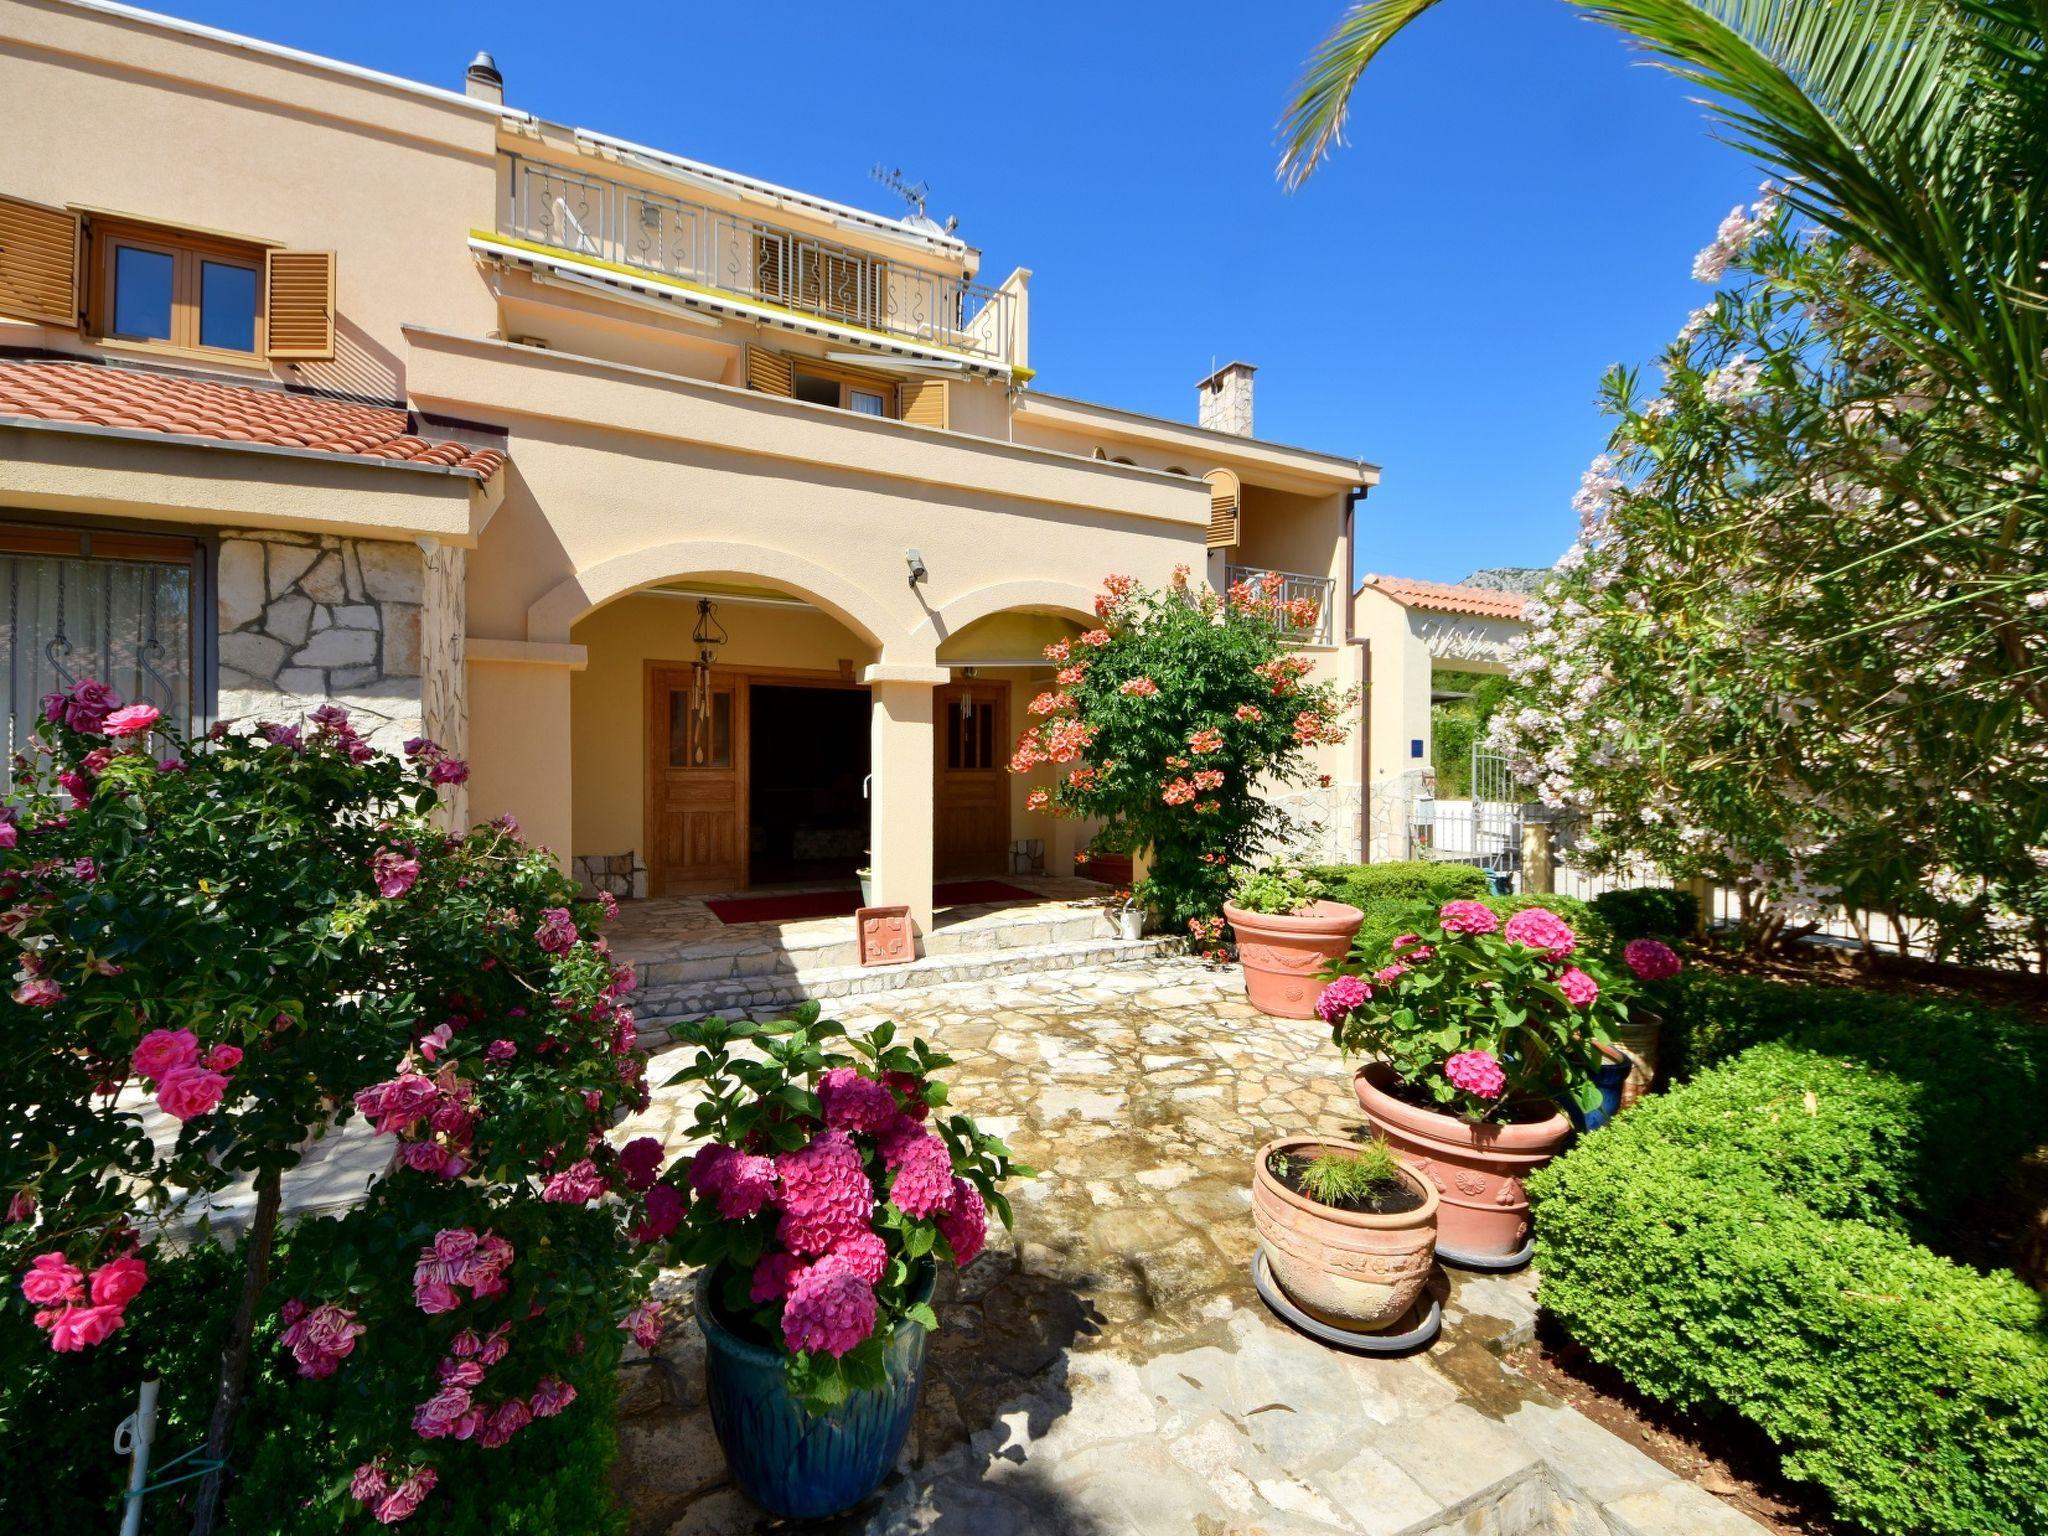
(578, 1184)
(661, 1214)
(1579, 989)
(861, 1253)
(964, 1222)
(1477, 1073)
(643, 1323)
(852, 1102)
(1651, 959)
(640, 1162)
(161, 1050)
(924, 1174)
(394, 872)
(739, 1183)
(830, 1310)
(774, 1275)
(1418, 953)
(1543, 931)
(1340, 997)
(52, 1280)
(189, 1092)
(119, 1281)
(1387, 975)
(557, 930)
(825, 1194)
(131, 720)
(1467, 917)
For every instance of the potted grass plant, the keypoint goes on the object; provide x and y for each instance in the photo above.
(830, 1189)
(1288, 934)
(1348, 1232)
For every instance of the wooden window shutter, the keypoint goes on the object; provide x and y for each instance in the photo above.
(1223, 508)
(300, 304)
(928, 402)
(38, 262)
(768, 267)
(769, 373)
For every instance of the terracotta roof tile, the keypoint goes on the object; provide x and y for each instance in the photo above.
(1477, 602)
(102, 395)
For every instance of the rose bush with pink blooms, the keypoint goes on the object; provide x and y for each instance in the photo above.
(829, 1183)
(1478, 1017)
(252, 940)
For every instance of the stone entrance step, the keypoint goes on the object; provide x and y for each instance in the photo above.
(663, 998)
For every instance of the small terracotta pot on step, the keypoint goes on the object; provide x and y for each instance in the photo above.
(1350, 1269)
(1638, 1041)
(1477, 1169)
(1283, 956)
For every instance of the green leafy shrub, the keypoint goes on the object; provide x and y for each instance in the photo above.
(1649, 912)
(1366, 886)
(1274, 890)
(1390, 919)
(1913, 1390)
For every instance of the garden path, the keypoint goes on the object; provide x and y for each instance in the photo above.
(1109, 1369)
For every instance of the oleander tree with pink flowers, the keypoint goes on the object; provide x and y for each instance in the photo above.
(1163, 721)
(831, 1183)
(1480, 1017)
(228, 946)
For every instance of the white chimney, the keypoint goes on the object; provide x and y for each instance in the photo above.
(1226, 399)
(482, 80)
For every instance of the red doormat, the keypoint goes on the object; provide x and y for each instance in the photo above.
(802, 904)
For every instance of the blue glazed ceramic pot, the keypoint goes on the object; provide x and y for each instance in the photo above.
(1608, 1076)
(790, 1462)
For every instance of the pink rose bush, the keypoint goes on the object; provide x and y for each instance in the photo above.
(267, 932)
(826, 1189)
(1476, 1017)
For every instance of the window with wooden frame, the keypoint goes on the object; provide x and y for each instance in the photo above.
(845, 388)
(138, 283)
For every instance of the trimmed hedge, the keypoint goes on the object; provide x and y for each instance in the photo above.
(1649, 913)
(1366, 886)
(1744, 1241)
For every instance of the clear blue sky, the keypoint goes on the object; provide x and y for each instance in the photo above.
(1517, 209)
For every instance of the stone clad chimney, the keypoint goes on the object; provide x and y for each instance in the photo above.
(1226, 399)
(482, 80)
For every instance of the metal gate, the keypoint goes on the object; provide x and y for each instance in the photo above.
(1496, 816)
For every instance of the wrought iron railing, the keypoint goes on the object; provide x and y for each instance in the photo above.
(1295, 591)
(594, 216)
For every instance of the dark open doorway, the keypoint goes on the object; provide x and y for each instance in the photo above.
(807, 817)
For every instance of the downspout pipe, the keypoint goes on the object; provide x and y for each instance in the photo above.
(1352, 498)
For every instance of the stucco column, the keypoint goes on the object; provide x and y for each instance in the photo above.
(444, 684)
(900, 810)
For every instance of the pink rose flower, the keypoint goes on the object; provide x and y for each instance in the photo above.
(501, 1050)
(38, 992)
(401, 1502)
(161, 1050)
(436, 1418)
(964, 1222)
(223, 1058)
(189, 1092)
(557, 930)
(505, 1421)
(550, 1396)
(369, 1484)
(578, 1184)
(395, 1106)
(643, 1323)
(76, 1328)
(829, 1310)
(393, 872)
(825, 1194)
(1467, 917)
(434, 1297)
(460, 1373)
(1652, 960)
(21, 1208)
(51, 1280)
(132, 720)
(1340, 997)
(119, 1281)
(1477, 1073)
(1543, 931)
(1579, 989)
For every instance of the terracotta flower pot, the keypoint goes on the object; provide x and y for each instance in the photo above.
(1638, 1041)
(1283, 956)
(1350, 1269)
(1477, 1169)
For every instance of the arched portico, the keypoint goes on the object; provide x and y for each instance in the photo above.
(1032, 596)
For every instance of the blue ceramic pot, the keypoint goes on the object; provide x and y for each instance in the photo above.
(1608, 1077)
(794, 1463)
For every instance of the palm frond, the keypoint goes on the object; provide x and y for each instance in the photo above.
(1314, 125)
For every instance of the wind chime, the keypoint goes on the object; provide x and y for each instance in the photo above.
(707, 637)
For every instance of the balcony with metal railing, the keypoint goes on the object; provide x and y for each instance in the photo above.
(597, 218)
(1301, 605)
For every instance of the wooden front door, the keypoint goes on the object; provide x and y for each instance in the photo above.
(696, 783)
(971, 786)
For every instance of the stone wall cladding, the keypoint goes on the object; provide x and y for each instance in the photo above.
(310, 619)
(1321, 824)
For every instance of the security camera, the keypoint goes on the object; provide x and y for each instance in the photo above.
(915, 561)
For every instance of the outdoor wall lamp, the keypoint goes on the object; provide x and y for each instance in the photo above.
(915, 561)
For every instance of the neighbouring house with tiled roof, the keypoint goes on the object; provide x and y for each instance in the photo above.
(719, 525)
(1411, 632)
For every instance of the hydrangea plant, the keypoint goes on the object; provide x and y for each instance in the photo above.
(829, 1183)
(1476, 1017)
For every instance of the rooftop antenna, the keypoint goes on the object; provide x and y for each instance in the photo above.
(912, 193)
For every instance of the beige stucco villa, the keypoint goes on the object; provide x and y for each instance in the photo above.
(718, 525)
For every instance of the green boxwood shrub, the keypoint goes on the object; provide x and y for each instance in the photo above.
(1747, 1241)
(1649, 913)
(1366, 886)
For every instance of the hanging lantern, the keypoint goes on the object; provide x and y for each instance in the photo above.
(707, 637)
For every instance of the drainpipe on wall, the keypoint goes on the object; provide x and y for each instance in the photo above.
(1352, 498)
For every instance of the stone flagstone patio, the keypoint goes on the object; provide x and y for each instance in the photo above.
(1110, 1369)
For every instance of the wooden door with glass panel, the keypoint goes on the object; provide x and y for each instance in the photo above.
(971, 792)
(696, 781)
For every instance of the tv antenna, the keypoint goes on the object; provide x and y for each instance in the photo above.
(913, 193)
